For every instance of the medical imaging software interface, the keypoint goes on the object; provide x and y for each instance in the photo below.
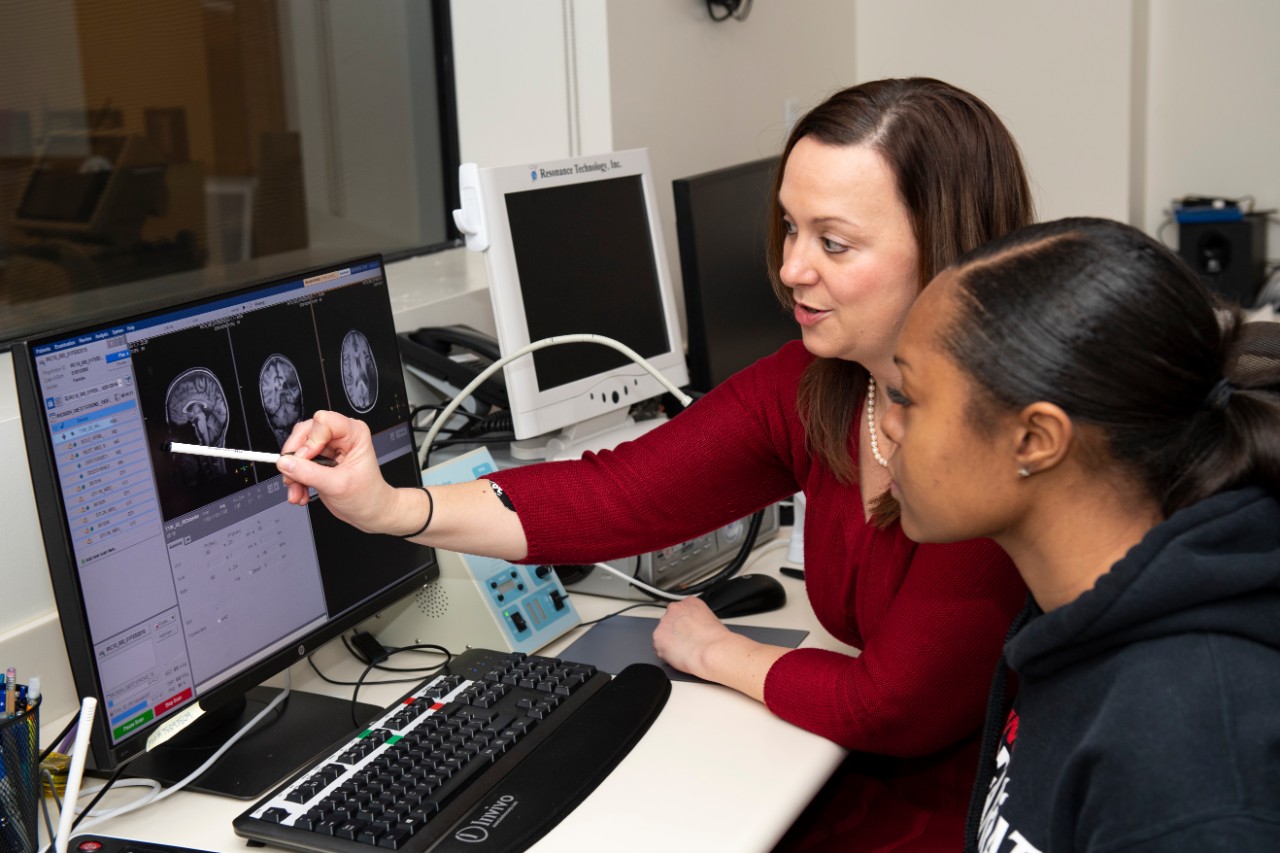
(193, 568)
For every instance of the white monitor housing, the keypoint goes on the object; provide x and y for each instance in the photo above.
(571, 247)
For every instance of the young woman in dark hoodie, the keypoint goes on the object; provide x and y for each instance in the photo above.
(1072, 392)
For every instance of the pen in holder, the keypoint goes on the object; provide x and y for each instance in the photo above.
(20, 780)
(79, 753)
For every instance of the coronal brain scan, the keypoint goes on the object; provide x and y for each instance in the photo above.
(281, 393)
(196, 410)
(359, 371)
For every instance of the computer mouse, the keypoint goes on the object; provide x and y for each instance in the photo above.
(744, 595)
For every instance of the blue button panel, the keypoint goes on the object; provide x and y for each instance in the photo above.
(529, 602)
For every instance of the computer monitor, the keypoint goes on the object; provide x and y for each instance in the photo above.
(733, 316)
(575, 246)
(184, 580)
(93, 187)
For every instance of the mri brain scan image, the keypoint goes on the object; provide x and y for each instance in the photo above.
(359, 372)
(281, 393)
(196, 408)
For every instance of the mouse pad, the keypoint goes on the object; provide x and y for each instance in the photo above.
(612, 644)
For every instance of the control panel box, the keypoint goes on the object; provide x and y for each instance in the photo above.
(478, 602)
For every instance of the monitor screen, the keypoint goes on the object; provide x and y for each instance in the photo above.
(613, 292)
(189, 579)
(68, 181)
(574, 247)
(733, 316)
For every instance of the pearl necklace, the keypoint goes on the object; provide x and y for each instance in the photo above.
(871, 421)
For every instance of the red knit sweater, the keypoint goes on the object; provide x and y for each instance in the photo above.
(929, 619)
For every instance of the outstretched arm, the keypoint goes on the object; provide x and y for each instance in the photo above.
(465, 517)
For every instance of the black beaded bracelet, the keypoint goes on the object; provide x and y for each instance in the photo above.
(431, 510)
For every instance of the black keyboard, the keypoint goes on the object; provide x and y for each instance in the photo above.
(498, 748)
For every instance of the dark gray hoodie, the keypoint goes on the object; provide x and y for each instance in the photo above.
(1148, 710)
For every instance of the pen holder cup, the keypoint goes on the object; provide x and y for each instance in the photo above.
(20, 781)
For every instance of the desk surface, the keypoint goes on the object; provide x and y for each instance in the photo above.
(717, 771)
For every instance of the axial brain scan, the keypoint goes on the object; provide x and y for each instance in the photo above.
(281, 393)
(196, 408)
(359, 372)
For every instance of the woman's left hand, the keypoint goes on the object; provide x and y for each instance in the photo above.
(684, 634)
(690, 638)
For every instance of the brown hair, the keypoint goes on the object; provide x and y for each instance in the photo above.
(959, 175)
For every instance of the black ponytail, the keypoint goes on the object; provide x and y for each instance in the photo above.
(1114, 328)
(1245, 403)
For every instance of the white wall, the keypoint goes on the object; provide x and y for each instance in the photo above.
(1120, 106)
(701, 95)
(513, 88)
(1213, 112)
(1058, 74)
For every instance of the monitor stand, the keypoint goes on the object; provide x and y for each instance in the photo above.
(293, 735)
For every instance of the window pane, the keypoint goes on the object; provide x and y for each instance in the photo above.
(155, 150)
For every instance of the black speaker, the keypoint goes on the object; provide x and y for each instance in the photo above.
(1231, 256)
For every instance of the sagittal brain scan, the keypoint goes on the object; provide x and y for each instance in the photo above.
(196, 409)
(281, 393)
(359, 372)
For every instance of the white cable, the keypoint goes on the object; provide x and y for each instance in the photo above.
(84, 727)
(441, 419)
(670, 596)
(178, 786)
(755, 557)
(153, 787)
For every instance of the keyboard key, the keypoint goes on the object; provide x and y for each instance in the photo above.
(328, 826)
(349, 828)
(395, 837)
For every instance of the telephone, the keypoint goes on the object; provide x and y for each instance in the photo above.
(456, 355)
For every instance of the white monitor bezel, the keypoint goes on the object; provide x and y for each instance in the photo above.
(537, 412)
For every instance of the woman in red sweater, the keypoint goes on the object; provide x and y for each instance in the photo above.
(881, 186)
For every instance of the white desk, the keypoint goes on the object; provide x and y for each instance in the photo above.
(717, 771)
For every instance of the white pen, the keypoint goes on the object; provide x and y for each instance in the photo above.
(79, 753)
(232, 453)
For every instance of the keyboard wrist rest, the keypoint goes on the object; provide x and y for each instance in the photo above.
(553, 779)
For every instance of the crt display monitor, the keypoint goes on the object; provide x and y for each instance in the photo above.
(98, 187)
(575, 246)
(189, 579)
(733, 315)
